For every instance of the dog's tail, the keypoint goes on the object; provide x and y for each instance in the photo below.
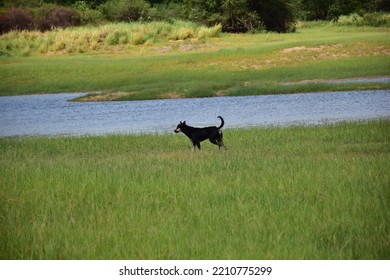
(222, 122)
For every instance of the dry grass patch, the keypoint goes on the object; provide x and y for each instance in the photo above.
(106, 96)
(171, 95)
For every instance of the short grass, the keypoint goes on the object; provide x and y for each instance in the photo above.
(276, 193)
(231, 64)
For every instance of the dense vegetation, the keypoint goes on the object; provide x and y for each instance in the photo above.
(233, 15)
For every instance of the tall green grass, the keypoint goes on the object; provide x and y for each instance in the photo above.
(276, 193)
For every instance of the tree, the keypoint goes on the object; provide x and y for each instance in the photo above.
(277, 15)
(317, 9)
(244, 15)
(238, 17)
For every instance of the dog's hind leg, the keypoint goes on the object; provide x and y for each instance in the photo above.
(221, 144)
(219, 140)
(214, 140)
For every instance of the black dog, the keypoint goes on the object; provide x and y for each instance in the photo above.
(197, 134)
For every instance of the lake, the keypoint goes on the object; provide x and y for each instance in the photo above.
(53, 114)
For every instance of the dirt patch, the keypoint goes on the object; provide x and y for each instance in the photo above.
(303, 48)
(171, 95)
(193, 46)
(382, 79)
(183, 46)
(164, 49)
(220, 93)
(108, 96)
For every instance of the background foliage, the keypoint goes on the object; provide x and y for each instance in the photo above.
(234, 15)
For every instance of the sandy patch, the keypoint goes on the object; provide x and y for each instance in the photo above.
(381, 79)
(303, 48)
(109, 96)
(220, 93)
(171, 95)
(184, 46)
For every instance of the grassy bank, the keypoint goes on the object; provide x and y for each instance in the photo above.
(277, 193)
(200, 65)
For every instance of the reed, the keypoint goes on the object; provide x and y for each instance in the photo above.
(276, 193)
(101, 38)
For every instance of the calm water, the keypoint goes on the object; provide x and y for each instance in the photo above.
(52, 114)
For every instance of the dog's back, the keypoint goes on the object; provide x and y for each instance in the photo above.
(204, 133)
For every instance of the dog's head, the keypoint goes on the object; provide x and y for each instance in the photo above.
(180, 126)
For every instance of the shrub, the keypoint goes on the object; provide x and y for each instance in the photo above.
(125, 10)
(211, 32)
(113, 37)
(353, 19)
(138, 38)
(376, 19)
(16, 19)
(369, 19)
(237, 17)
(59, 17)
(167, 12)
(86, 14)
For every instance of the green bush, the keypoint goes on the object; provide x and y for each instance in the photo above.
(353, 19)
(241, 15)
(211, 32)
(167, 12)
(113, 37)
(138, 38)
(125, 10)
(377, 19)
(369, 19)
(88, 15)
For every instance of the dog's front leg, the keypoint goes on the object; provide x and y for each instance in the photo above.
(195, 144)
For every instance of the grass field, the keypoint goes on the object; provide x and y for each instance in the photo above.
(276, 193)
(196, 65)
